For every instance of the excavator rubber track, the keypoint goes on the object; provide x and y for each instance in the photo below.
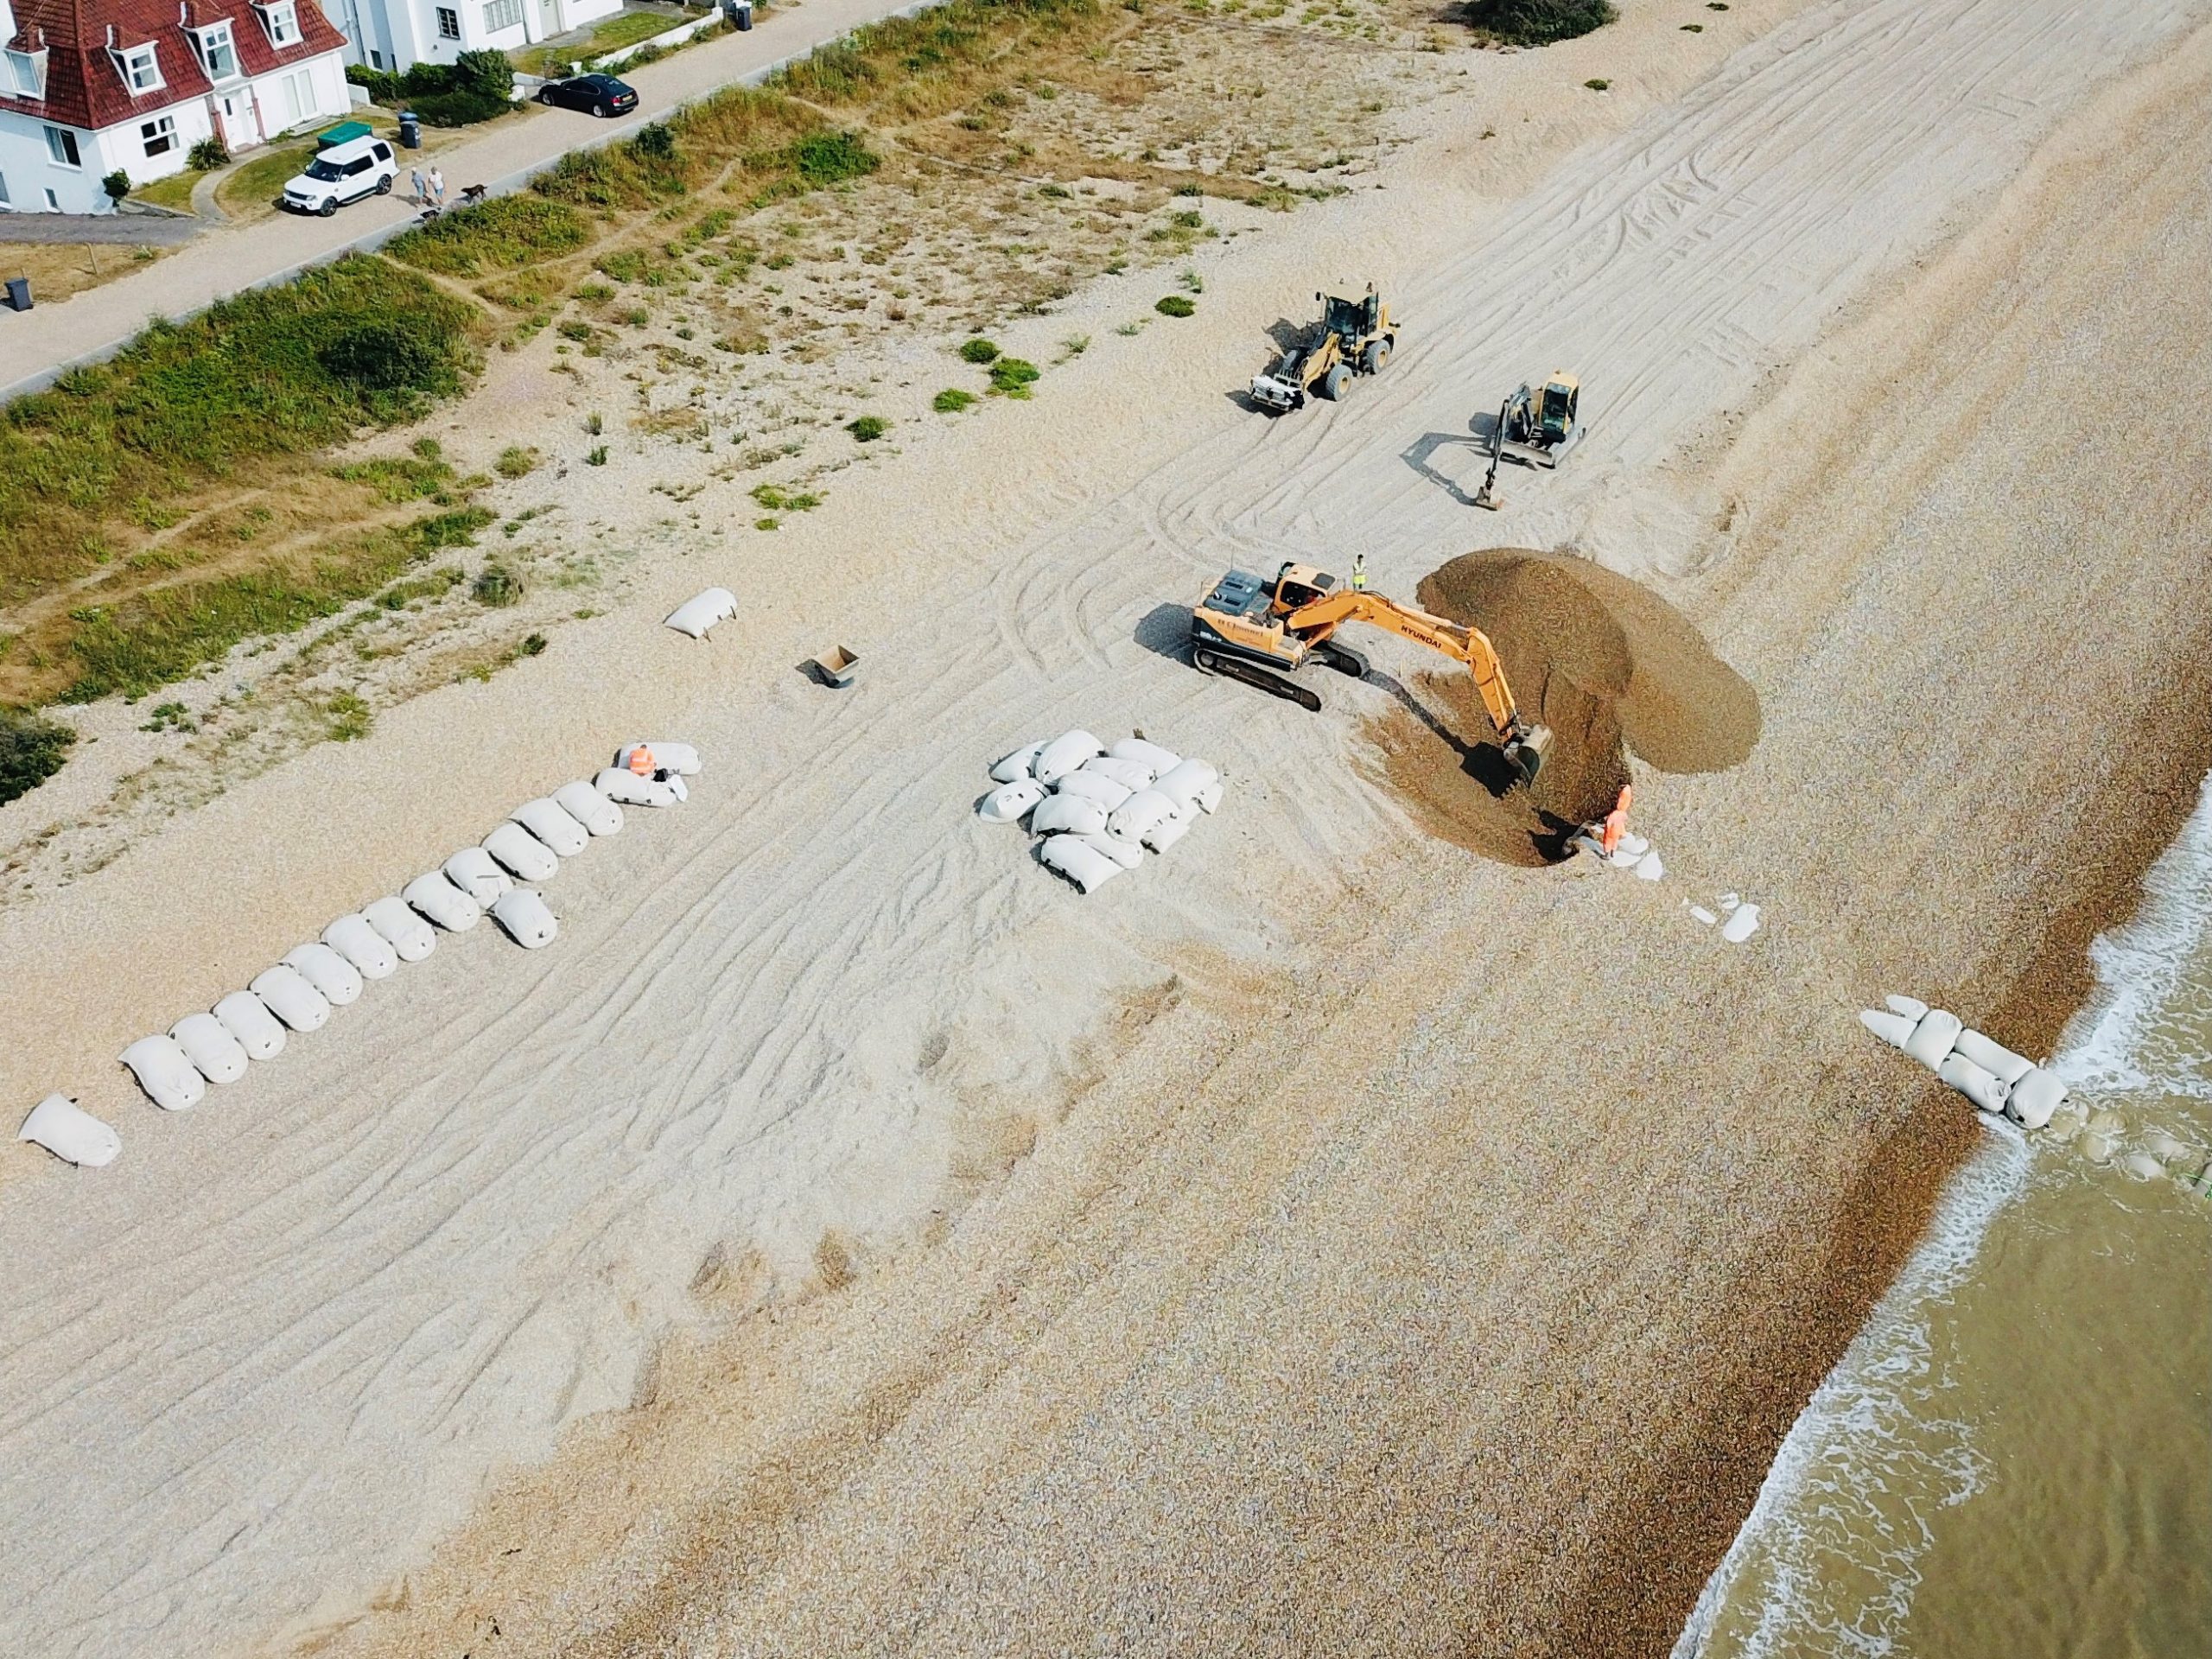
(1235, 668)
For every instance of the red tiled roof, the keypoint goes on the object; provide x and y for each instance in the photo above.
(84, 85)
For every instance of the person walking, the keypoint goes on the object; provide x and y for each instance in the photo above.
(418, 194)
(438, 186)
(1359, 573)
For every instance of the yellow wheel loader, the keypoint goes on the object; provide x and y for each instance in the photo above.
(1353, 337)
(1246, 630)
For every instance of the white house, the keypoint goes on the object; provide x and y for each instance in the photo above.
(89, 88)
(399, 34)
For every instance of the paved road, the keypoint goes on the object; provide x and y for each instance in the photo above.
(131, 230)
(37, 346)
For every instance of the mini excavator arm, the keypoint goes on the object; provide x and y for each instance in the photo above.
(1317, 619)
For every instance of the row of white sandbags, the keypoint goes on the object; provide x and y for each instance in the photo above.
(1982, 1069)
(297, 993)
(1097, 805)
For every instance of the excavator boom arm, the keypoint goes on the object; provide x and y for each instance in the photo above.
(1470, 646)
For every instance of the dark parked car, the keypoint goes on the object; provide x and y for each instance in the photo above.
(596, 94)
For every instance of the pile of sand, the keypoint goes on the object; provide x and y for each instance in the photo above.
(1610, 666)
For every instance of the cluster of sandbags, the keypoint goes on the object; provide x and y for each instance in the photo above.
(1098, 806)
(496, 877)
(1982, 1069)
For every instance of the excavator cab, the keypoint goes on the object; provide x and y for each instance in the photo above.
(1541, 425)
(1556, 419)
(1298, 585)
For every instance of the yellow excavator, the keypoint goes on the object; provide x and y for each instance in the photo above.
(1247, 630)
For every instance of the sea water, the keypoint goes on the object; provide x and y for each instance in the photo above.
(2014, 1458)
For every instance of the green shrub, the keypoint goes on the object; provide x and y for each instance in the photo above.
(116, 184)
(952, 400)
(503, 234)
(485, 72)
(345, 717)
(979, 351)
(1537, 22)
(827, 158)
(1173, 305)
(32, 749)
(458, 109)
(496, 586)
(1597, 85)
(778, 499)
(869, 428)
(208, 154)
(1012, 377)
(515, 462)
(596, 455)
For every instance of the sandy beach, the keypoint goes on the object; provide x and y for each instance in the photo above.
(1347, 1237)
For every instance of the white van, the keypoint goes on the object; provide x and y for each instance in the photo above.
(343, 173)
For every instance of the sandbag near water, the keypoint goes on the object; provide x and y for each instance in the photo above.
(1009, 803)
(1151, 754)
(524, 914)
(702, 610)
(1934, 1037)
(1068, 815)
(166, 1073)
(545, 818)
(618, 784)
(2034, 1098)
(336, 980)
(477, 874)
(352, 938)
(214, 1054)
(1018, 766)
(1064, 754)
(526, 858)
(1993, 1057)
(410, 937)
(598, 815)
(668, 755)
(70, 1132)
(1980, 1086)
(1127, 854)
(1093, 786)
(291, 996)
(1143, 812)
(1895, 1029)
(1132, 775)
(435, 897)
(1080, 861)
(1190, 783)
(247, 1018)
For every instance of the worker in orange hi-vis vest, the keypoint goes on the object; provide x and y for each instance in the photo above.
(641, 761)
(1616, 822)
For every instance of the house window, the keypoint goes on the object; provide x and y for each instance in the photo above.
(141, 69)
(502, 14)
(376, 59)
(283, 20)
(218, 53)
(159, 136)
(448, 23)
(61, 144)
(3, 190)
(53, 202)
(28, 72)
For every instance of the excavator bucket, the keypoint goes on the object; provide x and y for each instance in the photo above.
(1526, 751)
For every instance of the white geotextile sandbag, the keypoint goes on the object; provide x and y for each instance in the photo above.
(1132, 775)
(667, 754)
(435, 897)
(214, 1054)
(620, 785)
(1993, 1057)
(1185, 784)
(1742, 922)
(1127, 854)
(1168, 831)
(291, 996)
(1064, 754)
(550, 822)
(70, 1132)
(1093, 786)
(1078, 860)
(352, 938)
(523, 914)
(477, 874)
(1978, 1085)
(1068, 815)
(1911, 1007)
(1143, 812)
(1649, 868)
(702, 610)
(410, 937)
(2034, 1098)
(1934, 1037)
(1009, 803)
(1151, 754)
(1019, 766)
(526, 857)
(247, 1018)
(589, 808)
(338, 980)
(1892, 1028)
(171, 1081)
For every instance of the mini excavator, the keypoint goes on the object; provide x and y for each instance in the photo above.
(1246, 630)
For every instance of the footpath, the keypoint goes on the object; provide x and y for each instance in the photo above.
(39, 345)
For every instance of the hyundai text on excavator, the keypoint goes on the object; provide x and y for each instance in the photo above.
(1248, 631)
